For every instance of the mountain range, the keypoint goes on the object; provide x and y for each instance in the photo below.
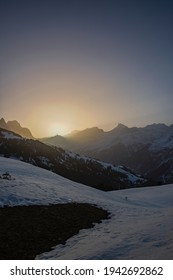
(81, 169)
(145, 150)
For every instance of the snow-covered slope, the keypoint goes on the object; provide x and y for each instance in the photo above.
(10, 135)
(73, 166)
(140, 226)
(33, 185)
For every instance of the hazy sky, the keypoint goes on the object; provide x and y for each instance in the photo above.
(67, 64)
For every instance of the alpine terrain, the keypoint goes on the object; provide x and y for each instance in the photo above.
(145, 150)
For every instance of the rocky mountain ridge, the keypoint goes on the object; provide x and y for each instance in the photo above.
(16, 127)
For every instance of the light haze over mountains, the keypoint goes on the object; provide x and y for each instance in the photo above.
(68, 65)
(145, 150)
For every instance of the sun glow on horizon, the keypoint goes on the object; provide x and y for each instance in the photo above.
(56, 118)
(57, 129)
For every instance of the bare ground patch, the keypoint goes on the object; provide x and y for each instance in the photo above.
(26, 231)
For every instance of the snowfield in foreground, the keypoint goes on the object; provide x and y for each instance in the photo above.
(140, 227)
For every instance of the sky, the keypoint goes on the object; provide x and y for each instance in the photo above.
(67, 65)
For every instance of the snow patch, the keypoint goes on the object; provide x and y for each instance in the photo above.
(141, 219)
(9, 135)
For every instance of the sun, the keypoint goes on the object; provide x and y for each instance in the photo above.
(57, 129)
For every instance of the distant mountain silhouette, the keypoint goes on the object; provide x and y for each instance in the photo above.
(85, 170)
(17, 128)
(147, 150)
